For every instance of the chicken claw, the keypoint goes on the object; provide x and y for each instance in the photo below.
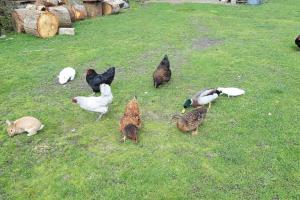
(123, 139)
(195, 132)
(99, 117)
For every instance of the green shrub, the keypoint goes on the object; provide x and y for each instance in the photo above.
(5, 15)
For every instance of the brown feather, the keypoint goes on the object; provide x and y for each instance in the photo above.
(190, 121)
(162, 74)
(130, 120)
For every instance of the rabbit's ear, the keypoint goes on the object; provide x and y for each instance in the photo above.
(8, 122)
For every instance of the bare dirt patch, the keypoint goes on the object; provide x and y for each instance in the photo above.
(42, 148)
(156, 116)
(204, 43)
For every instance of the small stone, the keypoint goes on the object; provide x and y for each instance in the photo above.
(66, 31)
(269, 114)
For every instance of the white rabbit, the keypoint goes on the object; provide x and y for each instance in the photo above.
(27, 124)
(67, 74)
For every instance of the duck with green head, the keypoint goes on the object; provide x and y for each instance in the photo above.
(203, 97)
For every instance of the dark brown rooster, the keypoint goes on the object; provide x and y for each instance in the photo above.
(297, 41)
(131, 121)
(94, 80)
(162, 74)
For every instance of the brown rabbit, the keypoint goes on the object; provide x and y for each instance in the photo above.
(27, 124)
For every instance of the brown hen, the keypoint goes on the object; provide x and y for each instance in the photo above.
(131, 121)
(162, 74)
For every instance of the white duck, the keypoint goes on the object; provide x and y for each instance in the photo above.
(96, 104)
(65, 75)
(231, 91)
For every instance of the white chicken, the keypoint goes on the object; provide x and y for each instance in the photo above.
(96, 104)
(65, 75)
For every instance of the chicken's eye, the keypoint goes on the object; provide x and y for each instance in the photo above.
(11, 130)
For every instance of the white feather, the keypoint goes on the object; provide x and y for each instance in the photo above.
(205, 96)
(202, 100)
(231, 91)
(66, 74)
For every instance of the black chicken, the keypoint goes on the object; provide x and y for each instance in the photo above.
(162, 73)
(94, 80)
(297, 41)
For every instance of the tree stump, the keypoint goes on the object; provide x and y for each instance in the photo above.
(62, 14)
(41, 24)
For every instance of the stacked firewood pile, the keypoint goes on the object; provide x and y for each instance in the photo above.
(46, 18)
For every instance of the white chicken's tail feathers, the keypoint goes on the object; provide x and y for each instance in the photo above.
(105, 90)
(231, 91)
(42, 126)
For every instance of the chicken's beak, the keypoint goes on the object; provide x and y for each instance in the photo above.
(183, 111)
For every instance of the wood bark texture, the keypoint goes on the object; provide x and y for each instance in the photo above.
(79, 12)
(18, 16)
(62, 14)
(93, 9)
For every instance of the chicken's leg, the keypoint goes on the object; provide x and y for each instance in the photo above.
(99, 117)
(123, 139)
(195, 132)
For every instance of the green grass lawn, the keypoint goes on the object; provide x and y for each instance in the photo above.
(241, 151)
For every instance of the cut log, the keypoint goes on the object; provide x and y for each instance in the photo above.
(41, 8)
(35, 7)
(108, 9)
(79, 12)
(18, 16)
(31, 6)
(41, 24)
(71, 12)
(113, 6)
(66, 31)
(93, 9)
(62, 14)
(64, 1)
(48, 2)
(72, 2)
